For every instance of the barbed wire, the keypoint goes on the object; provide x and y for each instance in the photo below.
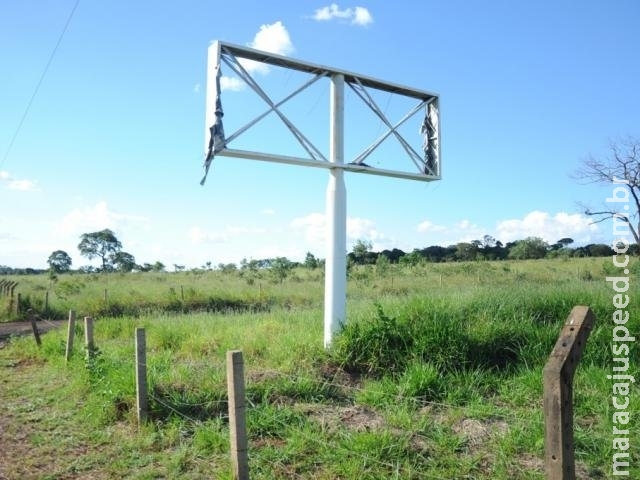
(182, 414)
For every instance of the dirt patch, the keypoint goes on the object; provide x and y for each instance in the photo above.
(332, 418)
(334, 374)
(477, 432)
(13, 329)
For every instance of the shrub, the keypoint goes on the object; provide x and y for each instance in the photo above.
(379, 346)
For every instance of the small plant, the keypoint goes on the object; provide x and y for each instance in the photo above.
(422, 380)
(381, 345)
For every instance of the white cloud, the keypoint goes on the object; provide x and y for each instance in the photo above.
(96, 218)
(16, 184)
(428, 226)
(233, 84)
(362, 17)
(198, 236)
(242, 230)
(356, 16)
(268, 211)
(549, 228)
(362, 229)
(272, 38)
(314, 229)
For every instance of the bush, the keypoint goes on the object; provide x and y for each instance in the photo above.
(379, 346)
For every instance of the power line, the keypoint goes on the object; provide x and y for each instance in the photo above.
(35, 92)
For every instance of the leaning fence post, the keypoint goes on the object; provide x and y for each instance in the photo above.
(142, 402)
(88, 336)
(237, 419)
(34, 326)
(71, 329)
(558, 393)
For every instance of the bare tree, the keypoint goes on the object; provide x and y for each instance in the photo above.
(620, 166)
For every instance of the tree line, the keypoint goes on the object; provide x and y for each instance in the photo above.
(105, 246)
(486, 249)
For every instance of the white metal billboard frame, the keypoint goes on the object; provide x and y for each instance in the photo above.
(428, 167)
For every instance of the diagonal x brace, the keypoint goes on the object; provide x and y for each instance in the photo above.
(360, 90)
(313, 152)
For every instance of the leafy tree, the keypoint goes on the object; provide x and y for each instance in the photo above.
(563, 243)
(413, 259)
(158, 267)
(280, 267)
(393, 256)
(599, 250)
(530, 247)
(620, 169)
(382, 265)
(466, 251)
(249, 265)
(227, 267)
(361, 252)
(437, 253)
(59, 261)
(102, 244)
(310, 261)
(492, 249)
(123, 261)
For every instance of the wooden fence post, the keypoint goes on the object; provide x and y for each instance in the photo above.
(88, 336)
(18, 301)
(34, 327)
(142, 402)
(558, 394)
(71, 330)
(237, 418)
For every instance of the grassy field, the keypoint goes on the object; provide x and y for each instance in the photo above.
(438, 374)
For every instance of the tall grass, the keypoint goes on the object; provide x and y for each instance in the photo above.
(436, 374)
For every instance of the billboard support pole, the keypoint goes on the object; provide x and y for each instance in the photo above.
(335, 295)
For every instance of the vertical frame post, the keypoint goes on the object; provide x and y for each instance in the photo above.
(335, 289)
(213, 61)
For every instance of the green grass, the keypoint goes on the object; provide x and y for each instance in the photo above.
(437, 374)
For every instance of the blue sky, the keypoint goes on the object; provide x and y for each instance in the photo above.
(113, 137)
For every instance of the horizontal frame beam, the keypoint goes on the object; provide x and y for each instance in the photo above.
(306, 162)
(300, 65)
